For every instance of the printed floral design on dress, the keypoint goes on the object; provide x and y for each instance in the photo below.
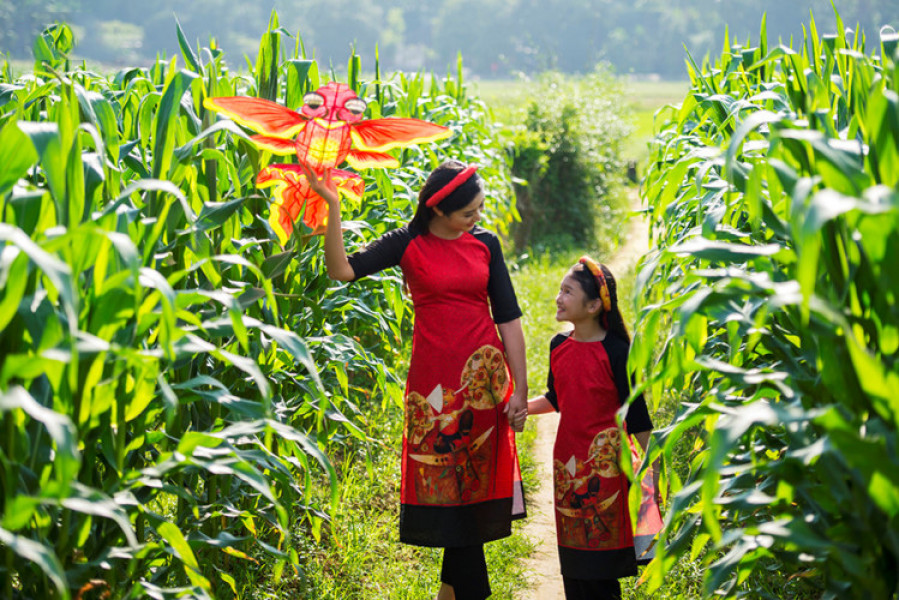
(418, 418)
(561, 479)
(588, 495)
(449, 432)
(604, 451)
(485, 378)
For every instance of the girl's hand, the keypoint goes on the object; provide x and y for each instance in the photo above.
(322, 184)
(517, 410)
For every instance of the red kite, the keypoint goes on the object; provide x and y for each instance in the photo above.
(328, 130)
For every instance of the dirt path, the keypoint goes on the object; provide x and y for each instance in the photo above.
(541, 527)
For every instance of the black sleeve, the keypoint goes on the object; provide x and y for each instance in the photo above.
(550, 380)
(637, 418)
(503, 302)
(384, 252)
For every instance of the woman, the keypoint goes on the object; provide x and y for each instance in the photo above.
(461, 482)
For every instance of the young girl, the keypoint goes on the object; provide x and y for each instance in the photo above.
(461, 483)
(587, 384)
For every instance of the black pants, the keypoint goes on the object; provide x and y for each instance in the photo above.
(466, 570)
(591, 589)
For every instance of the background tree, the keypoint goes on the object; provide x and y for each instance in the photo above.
(22, 20)
(498, 38)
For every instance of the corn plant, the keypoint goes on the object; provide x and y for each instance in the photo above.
(768, 310)
(172, 380)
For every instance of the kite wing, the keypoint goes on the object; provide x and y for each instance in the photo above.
(380, 135)
(361, 159)
(268, 118)
(350, 185)
(292, 195)
(275, 145)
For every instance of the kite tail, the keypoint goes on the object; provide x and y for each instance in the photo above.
(292, 196)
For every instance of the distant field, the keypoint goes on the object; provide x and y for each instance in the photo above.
(646, 98)
(653, 94)
(508, 99)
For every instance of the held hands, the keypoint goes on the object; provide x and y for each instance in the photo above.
(322, 184)
(517, 410)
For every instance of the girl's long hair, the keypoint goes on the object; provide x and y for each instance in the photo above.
(611, 320)
(459, 198)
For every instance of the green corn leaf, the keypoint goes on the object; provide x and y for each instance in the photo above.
(186, 51)
(310, 448)
(171, 534)
(89, 502)
(58, 426)
(353, 71)
(45, 137)
(297, 81)
(266, 70)
(52, 46)
(13, 281)
(724, 252)
(102, 115)
(17, 155)
(165, 122)
(56, 271)
(216, 213)
(41, 555)
(277, 264)
(377, 82)
(19, 512)
(193, 439)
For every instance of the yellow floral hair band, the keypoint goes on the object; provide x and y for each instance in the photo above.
(601, 284)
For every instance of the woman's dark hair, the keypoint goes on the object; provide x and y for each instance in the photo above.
(459, 198)
(612, 320)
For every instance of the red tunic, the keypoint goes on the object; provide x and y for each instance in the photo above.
(593, 523)
(461, 481)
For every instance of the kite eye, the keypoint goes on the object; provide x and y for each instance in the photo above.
(355, 106)
(313, 100)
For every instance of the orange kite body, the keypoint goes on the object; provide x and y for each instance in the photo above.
(328, 130)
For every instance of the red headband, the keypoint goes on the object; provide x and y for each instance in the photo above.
(463, 176)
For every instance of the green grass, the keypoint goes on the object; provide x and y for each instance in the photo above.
(646, 98)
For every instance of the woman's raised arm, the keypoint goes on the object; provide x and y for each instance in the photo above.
(336, 262)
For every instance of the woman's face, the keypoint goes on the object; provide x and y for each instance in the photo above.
(466, 217)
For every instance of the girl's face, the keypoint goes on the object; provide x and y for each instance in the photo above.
(465, 218)
(572, 303)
